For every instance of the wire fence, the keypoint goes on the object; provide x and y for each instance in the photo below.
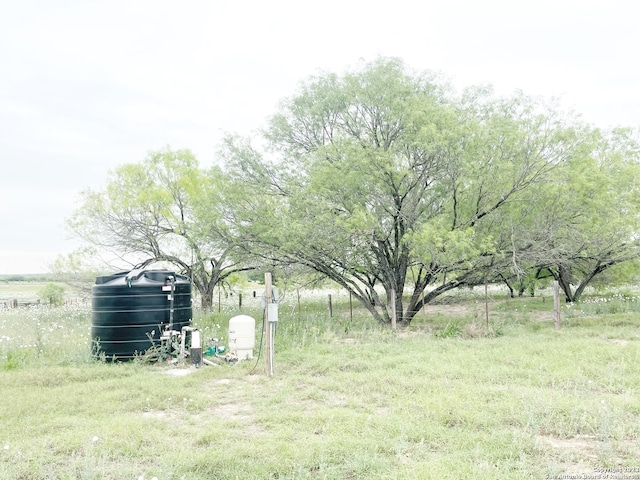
(333, 301)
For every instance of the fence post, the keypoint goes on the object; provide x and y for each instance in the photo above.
(394, 320)
(330, 307)
(556, 305)
(268, 326)
(486, 302)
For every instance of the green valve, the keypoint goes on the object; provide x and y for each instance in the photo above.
(212, 350)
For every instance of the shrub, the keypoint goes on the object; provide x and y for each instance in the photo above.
(52, 293)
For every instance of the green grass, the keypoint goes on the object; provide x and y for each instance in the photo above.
(349, 399)
(20, 291)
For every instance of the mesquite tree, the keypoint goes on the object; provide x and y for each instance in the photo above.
(387, 182)
(164, 209)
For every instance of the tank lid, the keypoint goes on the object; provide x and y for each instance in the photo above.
(107, 278)
(136, 274)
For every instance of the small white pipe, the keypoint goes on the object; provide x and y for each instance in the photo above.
(186, 328)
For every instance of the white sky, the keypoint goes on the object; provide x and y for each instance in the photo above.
(87, 85)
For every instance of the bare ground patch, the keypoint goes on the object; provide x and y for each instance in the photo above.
(584, 453)
(232, 411)
(618, 341)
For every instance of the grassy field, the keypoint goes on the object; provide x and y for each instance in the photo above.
(449, 398)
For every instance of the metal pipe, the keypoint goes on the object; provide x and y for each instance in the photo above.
(172, 282)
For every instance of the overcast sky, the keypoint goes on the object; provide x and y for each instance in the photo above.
(87, 85)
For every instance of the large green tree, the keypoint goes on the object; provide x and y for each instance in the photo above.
(582, 221)
(163, 209)
(387, 182)
(591, 212)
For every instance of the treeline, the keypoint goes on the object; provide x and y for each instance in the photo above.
(29, 277)
(390, 184)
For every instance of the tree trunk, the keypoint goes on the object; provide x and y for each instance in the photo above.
(564, 279)
(587, 279)
(202, 284)
(509, 286)
(206, 299)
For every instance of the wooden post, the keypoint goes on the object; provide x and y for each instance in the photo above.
(267, 326)
(240, 301)
(330, 307)
(486, 302)
(394, 320)
(219, 298)
(556, 304)
(350, 307)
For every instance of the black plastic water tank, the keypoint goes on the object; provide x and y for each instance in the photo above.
(130, 310)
